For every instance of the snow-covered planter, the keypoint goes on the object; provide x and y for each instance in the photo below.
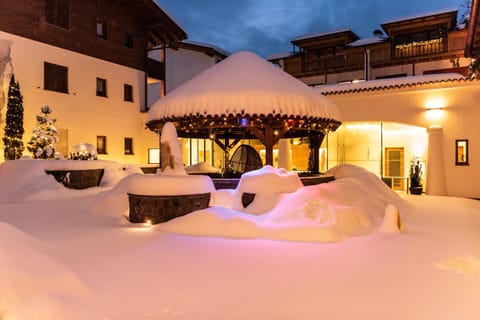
(159, 198)
(78, 179)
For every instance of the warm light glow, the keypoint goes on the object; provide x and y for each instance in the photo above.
(435, 116)
(435, 103)
(154, 155)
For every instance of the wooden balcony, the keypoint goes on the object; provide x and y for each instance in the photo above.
(155, 69)
(421, 48)
(338, 63)
(382, 55)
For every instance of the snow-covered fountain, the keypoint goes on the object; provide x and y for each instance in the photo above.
(171, 192)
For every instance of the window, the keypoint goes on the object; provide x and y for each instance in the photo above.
(128, 145)
(128, 40)
(55, 77)
(101, 144)
(101, 87)
(394, 167)
(127, 92)
(153, 155)
(56, 12)
(461, 152)
(102, 30)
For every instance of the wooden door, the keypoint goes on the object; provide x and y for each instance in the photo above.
(395, 166)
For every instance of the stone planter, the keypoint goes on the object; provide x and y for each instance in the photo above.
(162, 208)
(416, 190)
(78, 179)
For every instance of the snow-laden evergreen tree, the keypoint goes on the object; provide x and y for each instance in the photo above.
(44, 136)
(13, 137)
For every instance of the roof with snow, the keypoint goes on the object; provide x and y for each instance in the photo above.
(205, 47)
(242, 86)
(367, 41)
(393, 83)
(448, 17)
(320, 34)
(279, 55)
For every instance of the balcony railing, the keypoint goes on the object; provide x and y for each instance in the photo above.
(155, 69)
(338, 62)
(420, 48)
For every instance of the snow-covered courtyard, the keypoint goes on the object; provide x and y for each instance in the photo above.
(330, 251)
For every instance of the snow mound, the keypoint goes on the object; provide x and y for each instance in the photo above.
(467, 265)
(34, 285)
(268, 184)
(26, 179)
(201, 167)
(166, 185)
(391, 222)
(329, 212)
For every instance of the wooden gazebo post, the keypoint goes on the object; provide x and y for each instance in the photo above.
(315, 140)
(269, 138)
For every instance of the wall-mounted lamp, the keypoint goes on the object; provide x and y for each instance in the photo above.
(435, 111)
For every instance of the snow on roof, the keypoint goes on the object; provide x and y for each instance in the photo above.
(393, 83)
(367, 41)
(207, 45)
(321, 34)
(279, 55)
(243, 83)
(421, 16)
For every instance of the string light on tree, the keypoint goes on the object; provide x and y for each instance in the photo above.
(44, 136)
(13, 137)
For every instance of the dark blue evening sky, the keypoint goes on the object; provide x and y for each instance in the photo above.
(267, 26)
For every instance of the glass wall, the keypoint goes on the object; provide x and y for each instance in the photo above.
(384, 148)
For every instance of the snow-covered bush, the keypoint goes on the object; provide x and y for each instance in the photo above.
(44, 136)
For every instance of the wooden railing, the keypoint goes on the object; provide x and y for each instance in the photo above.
(155, 69)
(421, 48)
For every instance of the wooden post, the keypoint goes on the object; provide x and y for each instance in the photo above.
(314, 158)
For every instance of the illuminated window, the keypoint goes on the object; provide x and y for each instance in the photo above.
(461, 152)
(153, 155)
(101, 144)
(128, 146)
(102, 30)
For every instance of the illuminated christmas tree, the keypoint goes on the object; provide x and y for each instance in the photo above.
(44, 136)
(13, 136)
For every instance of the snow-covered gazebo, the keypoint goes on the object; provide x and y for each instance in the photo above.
(245, 97)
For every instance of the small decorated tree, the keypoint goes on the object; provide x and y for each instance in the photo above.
(13, 137)
(415, 177)
(44, 136)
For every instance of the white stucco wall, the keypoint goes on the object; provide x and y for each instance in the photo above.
(182, 65)
(80, 111)
(458, 119)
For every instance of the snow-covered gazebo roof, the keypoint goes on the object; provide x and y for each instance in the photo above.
(245, 96)
(243, 84)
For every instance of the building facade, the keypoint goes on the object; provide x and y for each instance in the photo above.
(405, 97)
(88, 61)
(419, 45)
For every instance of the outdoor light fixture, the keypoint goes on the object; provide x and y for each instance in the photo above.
(435, 103)
(435, 111)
